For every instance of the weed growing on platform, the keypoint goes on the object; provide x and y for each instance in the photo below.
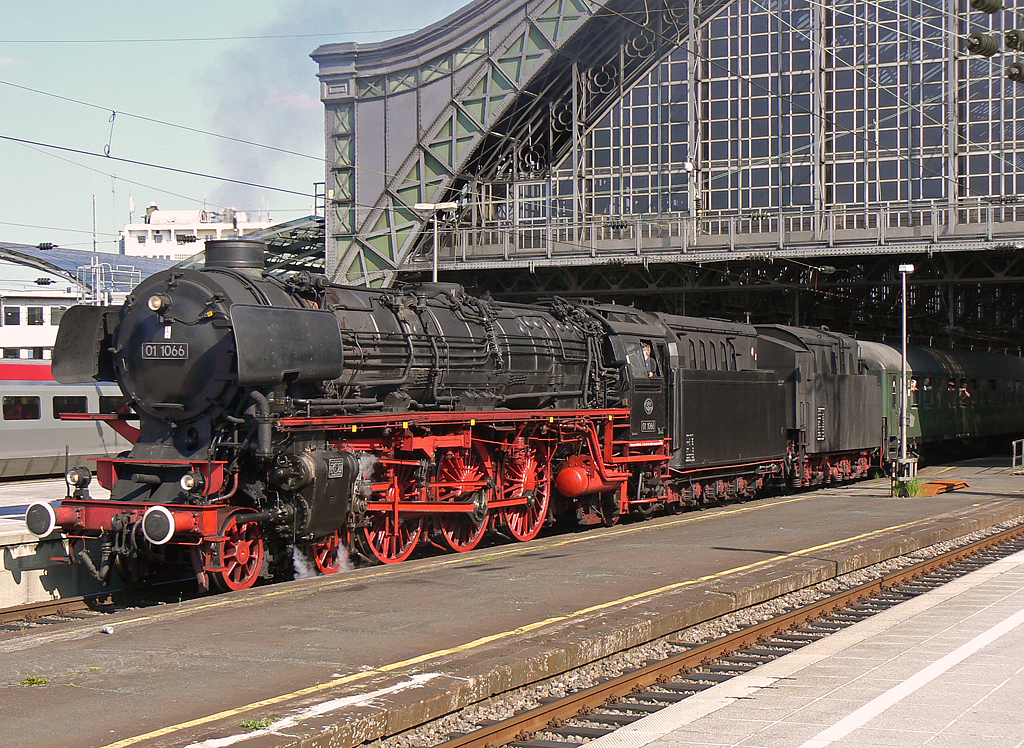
(256, 724)
(906, 488)
(35, 680)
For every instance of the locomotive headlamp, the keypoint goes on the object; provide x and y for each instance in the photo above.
(192, 481)
(79, 477)
(159, 302)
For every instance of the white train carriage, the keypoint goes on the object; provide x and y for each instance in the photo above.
(34, 441)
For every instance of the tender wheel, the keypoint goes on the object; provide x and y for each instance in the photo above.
(242, 556)
(525, 477)
(390, 544)
(461, 475)
(327, 554)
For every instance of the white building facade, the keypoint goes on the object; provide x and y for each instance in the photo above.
(179, 234)
(29, 316)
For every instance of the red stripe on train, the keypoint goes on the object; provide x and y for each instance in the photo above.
(25, 371)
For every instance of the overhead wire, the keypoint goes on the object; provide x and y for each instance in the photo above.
(115, 111)
(188, 172)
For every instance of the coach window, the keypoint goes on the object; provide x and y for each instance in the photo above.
(35, 315)
(12, 353)
(21, 408)
(12, 315)
(714, 357)
(693, 356)
(703, 356)
(914, 391)
(69, 404)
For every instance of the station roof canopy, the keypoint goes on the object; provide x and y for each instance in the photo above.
(66, 262)
(292, 247)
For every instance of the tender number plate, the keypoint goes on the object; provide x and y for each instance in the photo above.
(165, 351)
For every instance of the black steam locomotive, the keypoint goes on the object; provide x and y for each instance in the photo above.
(290, 416)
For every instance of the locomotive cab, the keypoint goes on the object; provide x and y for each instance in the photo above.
(638, 348)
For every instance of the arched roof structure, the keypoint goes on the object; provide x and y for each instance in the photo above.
(498, 91)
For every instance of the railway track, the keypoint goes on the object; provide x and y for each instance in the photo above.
(22, 618)
(597, 711)
(46, 612)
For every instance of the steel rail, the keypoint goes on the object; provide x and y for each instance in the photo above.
(533, 720)
(44, 608)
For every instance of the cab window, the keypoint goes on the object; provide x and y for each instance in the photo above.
(642, 362)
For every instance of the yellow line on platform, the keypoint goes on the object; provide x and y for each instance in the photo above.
(490, 639)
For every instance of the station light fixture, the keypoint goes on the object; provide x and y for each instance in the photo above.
(435, 208)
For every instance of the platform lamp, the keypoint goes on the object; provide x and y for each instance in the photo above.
(435, 208)
(904, 472)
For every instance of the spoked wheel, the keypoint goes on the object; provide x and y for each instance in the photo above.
(460, 473)
(327, 554)
(242, 556)
(384, 540)
(388, 543)
(524, 477)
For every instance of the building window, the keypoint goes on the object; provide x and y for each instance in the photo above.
(35, 315)
(142, 239)
(12, 315)
(21, 408)
(158, 238)
(56, 312)
(37, 353)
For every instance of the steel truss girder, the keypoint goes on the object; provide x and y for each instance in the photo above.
(965, 299)
(633, 36)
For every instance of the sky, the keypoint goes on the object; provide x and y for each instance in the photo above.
(229, 68)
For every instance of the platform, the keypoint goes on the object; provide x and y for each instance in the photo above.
(34, 570)
(340, 659)
(941, 670)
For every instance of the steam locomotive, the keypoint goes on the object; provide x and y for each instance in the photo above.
(298, 416)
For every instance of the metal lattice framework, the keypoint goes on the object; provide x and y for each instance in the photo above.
(782, 136)
(970, 300)
(499, 91)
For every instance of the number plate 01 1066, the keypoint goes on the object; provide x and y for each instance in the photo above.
(163, 351)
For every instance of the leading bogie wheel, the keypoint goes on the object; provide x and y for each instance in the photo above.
(242, 556)
(327, 554)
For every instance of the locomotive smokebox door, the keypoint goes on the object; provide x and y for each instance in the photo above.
(645, 377)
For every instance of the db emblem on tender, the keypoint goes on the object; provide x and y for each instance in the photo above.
(648, 406)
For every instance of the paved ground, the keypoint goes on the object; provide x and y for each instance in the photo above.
(338, 657)
(16, 496)
(943, 670)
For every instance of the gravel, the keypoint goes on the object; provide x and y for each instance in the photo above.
(503, 706)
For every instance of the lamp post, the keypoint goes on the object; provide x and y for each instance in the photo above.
(905, 270)
(435, 208)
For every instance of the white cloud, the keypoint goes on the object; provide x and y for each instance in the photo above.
(9, 62)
